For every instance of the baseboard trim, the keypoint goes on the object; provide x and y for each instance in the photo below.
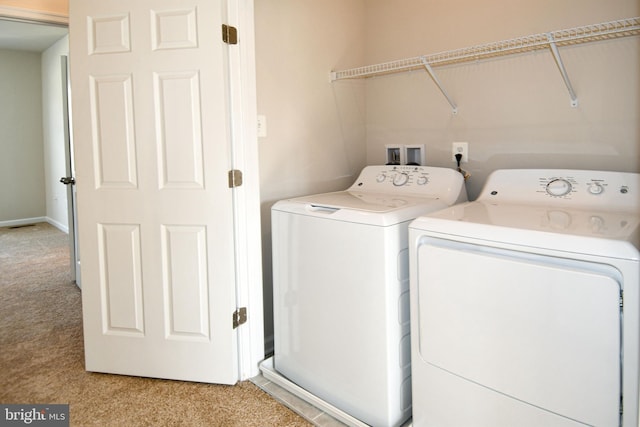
(35, 220)
(23, 221)
(62, 227)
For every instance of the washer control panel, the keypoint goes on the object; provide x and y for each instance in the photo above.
(577, 188)
(403, 175)
(423, 181)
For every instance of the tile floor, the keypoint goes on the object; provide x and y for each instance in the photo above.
(309, 412)
(308, 406)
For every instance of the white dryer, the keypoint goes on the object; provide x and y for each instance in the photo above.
(341, 288)
(525, 303)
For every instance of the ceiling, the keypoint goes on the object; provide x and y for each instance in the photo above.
(18, 35)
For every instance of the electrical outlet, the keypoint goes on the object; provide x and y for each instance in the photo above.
(460, 148)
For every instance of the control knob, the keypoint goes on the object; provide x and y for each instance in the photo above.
(422, 180)
(596, 188)
(400, 179)
(559, 187)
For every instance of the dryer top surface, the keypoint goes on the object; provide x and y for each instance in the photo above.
(583, 211)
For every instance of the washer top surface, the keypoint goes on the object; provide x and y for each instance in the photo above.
(384, 195)
(590, 212)
(375, 203)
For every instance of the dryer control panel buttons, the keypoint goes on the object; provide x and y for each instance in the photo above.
(579, 189)
(559, 187)
(595, 188)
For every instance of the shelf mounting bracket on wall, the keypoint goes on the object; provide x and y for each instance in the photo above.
(437, 82)
(563, 71)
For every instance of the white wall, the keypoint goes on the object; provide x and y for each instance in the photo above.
(32, 137)
(315, 129)
(514, 111)
(22, 193)
(53, 131)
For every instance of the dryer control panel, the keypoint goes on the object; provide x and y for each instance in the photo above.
(579, 189)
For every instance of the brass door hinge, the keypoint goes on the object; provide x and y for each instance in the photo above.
(235, 178)
(229, 34)
(239, 317)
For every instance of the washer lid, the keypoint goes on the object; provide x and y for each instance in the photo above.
(363, 201)
(600, 233)
(362, 207)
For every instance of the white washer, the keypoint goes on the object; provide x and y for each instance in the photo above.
(341, 288)
(524, 303)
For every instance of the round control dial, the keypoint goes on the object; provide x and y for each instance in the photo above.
(400, 179)
(559, 187)
(422, 180)
(381, 177)
(596, 188)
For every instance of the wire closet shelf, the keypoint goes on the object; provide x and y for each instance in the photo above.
(588, 33)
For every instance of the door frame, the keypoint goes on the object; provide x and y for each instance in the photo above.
(37, 16)
(72, 213)
(248, 235)
(245, 158)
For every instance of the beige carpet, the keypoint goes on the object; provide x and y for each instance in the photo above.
(42, 361)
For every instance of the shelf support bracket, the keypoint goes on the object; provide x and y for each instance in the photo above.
(437, 82)
(563, 71)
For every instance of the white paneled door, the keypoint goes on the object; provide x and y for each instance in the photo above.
(156, 223)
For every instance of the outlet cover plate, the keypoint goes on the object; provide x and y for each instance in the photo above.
(460, 148)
